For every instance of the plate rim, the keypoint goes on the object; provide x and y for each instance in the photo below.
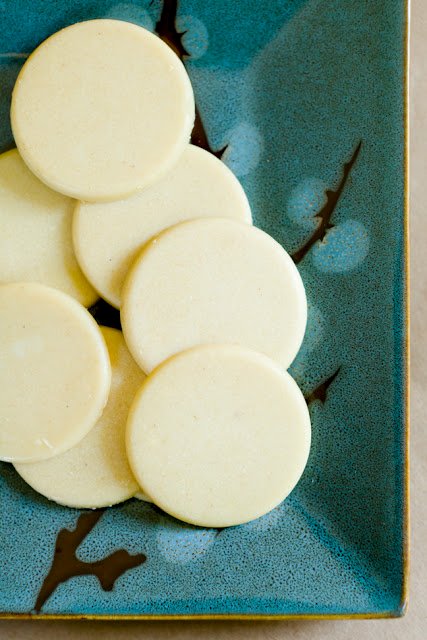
(402, 607)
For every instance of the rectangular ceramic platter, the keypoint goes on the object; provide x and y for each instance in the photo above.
(307, 100)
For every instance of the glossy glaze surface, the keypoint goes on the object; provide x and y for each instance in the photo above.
(285, 91)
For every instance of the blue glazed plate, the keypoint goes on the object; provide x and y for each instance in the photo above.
(305, 101)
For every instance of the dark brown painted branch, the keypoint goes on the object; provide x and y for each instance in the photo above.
(105, 314)
(326, 212)
(321, 391)
(166, 29)
(66, 565)
(200, 139)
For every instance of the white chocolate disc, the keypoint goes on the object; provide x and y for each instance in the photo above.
(108, 236)
(218, 435)
(35, 233)
(140, 495)
(211, 281)
(54, 372)
(95, 473)
(102, 108)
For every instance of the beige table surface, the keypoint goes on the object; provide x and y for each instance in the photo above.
(414, 624)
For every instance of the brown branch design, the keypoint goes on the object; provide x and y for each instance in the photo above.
(168, 32)
(324, 216)
(66, 565)
(105, 314)
(321, 391)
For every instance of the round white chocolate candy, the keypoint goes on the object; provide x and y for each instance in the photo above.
(108, 236)
(211, 281)
(140, 495)
(101, 109)
(218, 435)
(95, 473)
(54, 372)
(35, 233)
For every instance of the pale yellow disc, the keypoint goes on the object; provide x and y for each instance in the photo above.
(54, 372)
(140, 495)
(101, 109)
(211, 281)
(218, 435)
(35, 233)
(95, 473)
(108, 236)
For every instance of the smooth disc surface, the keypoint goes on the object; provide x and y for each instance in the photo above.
(35, 233)
(213, 281)
(95, 473)
(140, 495)
(108, 236)
(54, 372)
(218, 435)
(101, 109)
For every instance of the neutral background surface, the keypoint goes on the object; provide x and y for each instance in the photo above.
(413, 625)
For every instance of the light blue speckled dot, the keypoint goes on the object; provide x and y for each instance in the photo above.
(306, 200)
(196, 37)
(181, 543)
(131, 13)
(315, 328)
(344, 248)
(271, 520)
(315, 331)
(244, 148)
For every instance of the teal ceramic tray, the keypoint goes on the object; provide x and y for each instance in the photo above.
(305, 101)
